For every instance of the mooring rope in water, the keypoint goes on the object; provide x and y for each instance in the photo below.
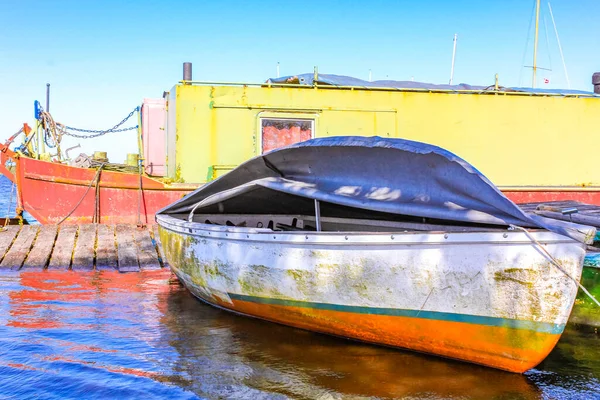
(556, 263)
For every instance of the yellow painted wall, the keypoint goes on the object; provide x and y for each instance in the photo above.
(515, 140)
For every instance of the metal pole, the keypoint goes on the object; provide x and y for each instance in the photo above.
(318, 215)
(535, 43)
(41, 144)
(278, 69)
(453, 58)
(559, 46)
(187, 71)
(47, 97)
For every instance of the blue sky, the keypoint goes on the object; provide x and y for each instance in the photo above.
(103, 57)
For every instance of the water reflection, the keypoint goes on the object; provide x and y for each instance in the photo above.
(299, 364)
(66, 334)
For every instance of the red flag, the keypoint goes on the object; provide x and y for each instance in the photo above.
(546, 80)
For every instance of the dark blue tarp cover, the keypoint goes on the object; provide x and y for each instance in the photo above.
(377, 174)
(341, 80)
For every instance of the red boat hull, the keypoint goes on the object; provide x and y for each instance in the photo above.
(545, 196)
(51, 192)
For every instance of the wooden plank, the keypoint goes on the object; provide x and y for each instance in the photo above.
(161, 252)
(558, 206)
(147, 256)
(83, 255)
(42, 248)
(17, 253)
(63, 248)
(7, 237)
(106, 250)
(126, 249)
(577, 218)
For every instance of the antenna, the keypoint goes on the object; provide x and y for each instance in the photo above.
(559, 46)
(453, 58)
(47, 97)
(278, 69)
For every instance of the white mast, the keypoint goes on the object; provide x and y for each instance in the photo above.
(278, 69)
(535, 43)
(453, 58)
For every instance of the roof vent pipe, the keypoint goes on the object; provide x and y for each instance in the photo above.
(596, 82)
(187, 71)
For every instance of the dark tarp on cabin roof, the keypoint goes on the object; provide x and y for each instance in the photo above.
(341, 80)
(381, 175)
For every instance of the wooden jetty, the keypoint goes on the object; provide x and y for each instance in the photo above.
(86, 247)
(573, 211)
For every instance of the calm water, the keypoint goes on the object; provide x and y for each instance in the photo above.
(142, 335)
(8, 202)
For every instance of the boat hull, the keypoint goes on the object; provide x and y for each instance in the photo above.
(541, 195)
(53, 192)
(486, 298)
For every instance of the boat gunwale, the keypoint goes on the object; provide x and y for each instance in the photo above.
(221, 232)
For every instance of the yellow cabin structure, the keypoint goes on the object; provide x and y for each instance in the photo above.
(522, 141)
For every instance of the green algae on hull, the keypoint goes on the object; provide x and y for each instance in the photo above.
(585, 311)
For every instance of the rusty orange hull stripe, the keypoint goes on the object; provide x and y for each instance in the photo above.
(555, 329)
(511, 345)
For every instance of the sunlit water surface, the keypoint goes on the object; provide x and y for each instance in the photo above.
(8, 200)
(142, 335)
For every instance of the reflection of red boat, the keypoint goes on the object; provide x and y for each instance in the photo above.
(51, 192)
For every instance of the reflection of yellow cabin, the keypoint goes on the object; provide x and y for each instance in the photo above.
(516, 139)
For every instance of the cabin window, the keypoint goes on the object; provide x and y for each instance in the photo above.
(281, 132)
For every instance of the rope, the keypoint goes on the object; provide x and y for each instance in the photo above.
(526, 42)
(54, 131)
(556, 264)
(96, 217)
(13, 137)
(140, 193)
(562, 57)
(96, 179)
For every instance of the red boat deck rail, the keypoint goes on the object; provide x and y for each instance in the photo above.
(85, 247)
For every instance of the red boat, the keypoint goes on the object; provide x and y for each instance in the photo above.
(53, 193)
(56, 192)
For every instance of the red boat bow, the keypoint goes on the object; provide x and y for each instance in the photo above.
(52, 192)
